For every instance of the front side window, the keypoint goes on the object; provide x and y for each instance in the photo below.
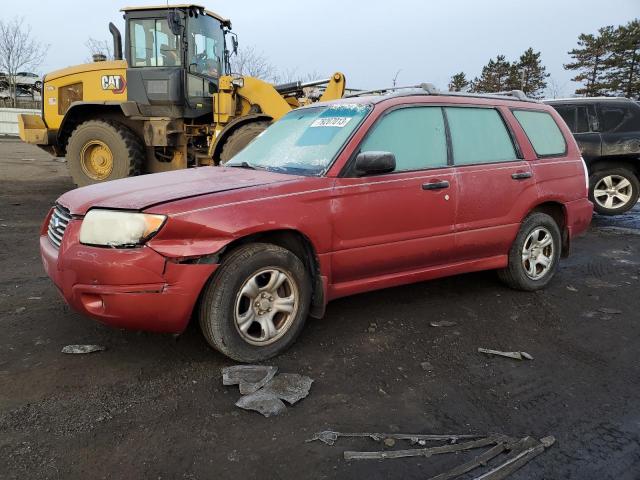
(479, 135)
(153, 44)
(543, 132)
(415, 135)
(206, 46)
(303, 142)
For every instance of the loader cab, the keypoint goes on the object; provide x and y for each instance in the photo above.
(175, 57)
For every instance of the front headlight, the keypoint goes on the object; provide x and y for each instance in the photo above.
(115, 228)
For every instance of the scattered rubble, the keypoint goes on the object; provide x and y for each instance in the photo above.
(263, 391)
(329, 437)
(514, 355)
(82, 349)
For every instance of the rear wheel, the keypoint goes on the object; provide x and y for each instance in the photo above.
(256, 304)
(614, 191)
(535, 254)
(240, 139)
(99, 151)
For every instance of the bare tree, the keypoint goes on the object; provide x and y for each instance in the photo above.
(97, 47)
(252, 63)
(19, 51)
(555, 89)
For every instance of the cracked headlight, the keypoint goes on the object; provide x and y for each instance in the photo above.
(113, 228)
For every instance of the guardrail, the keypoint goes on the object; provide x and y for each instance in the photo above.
(9, 119)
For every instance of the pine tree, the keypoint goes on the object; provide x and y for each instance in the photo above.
(530, 74)
(590, 61)
(496, 76)
(622, 76)
(459, 83)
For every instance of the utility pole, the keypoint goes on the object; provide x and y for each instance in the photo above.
(395, 78)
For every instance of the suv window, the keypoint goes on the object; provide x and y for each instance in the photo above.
(619, 118)
(575, 116)
(479, 135)
(415, 135)
(543, 132)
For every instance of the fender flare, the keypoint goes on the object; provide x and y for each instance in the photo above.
(232, 126)
(76, 107)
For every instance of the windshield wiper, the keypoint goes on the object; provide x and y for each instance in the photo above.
(246, 165)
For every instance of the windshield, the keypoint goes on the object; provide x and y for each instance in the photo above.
(206, 46)
(303, 142)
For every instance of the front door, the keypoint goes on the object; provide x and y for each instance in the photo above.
(404, 220)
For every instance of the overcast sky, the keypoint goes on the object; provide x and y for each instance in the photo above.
(367, 40)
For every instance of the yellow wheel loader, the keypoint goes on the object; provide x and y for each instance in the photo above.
(171, 102)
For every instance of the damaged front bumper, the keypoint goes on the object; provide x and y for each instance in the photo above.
(136, 288)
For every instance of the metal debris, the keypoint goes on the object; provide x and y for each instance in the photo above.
(265, 403)
(289, 387)
(82, 349)
(514, 355)
(524, 451)
(329, 437)
(610, 311)
(250, 378)
(443, 323)
(426, 452)
(480, 460)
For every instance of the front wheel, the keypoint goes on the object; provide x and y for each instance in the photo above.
(256, 304)
(534, 255)
(614, 191)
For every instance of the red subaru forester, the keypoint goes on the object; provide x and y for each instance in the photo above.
(334, 199)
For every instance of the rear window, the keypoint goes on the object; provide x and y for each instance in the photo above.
(543, 132)
(478, 135)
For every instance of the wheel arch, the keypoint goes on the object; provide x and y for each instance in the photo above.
(605, 163)
(234, 125)
(300, 245)
(80, 112)
(558, 212)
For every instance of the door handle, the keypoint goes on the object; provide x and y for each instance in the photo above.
(521, 175)
(435, 185)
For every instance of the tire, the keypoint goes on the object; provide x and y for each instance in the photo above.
(38, 86)
(224, 307)
(607, 194)
(126, 151)
(517, 274)
(240, 138)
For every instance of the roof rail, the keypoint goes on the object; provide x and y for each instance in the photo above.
(431, 89)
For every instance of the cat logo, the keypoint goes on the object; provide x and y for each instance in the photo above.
(115, 83)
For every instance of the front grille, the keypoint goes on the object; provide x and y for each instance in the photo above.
(58, 224)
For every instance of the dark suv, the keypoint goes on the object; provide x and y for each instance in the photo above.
(608, 133)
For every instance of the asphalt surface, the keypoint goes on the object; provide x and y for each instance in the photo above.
(152, 406)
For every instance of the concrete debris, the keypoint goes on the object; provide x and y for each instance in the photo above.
(82, 349)
(266, 403)
(443, 323)
(289, 387)
(329, 437)
(21, 310)
(514, 355)
(250, 378)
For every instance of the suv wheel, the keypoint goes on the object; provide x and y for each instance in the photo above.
(257, 302)
(613, 191)
(535, 254)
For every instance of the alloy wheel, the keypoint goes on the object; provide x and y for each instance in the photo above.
(538, 253)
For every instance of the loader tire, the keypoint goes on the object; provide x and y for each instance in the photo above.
(99, 151)
(240, 138)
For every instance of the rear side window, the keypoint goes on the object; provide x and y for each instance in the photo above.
(415, 135)
(543, 132)
(479, 135)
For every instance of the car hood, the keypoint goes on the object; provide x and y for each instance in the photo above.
(138, 193)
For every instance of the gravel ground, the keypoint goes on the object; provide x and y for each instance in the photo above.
(153, 406)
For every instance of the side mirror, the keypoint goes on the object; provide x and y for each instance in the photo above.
(234, 41)
(375, 163)
(213, 88)
(175, 22)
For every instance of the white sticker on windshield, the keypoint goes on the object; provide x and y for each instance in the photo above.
(338, 122)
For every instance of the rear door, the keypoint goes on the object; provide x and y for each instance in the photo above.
(583, 122)
(404, 220)
(493, 182)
